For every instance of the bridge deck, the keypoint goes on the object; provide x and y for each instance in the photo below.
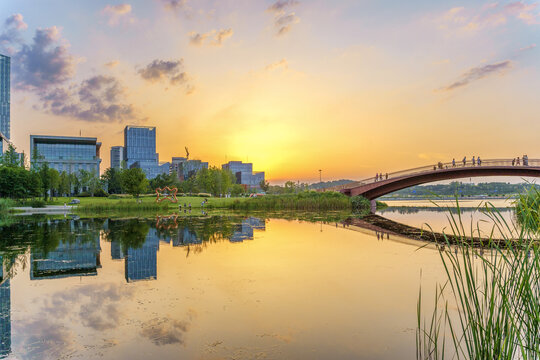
(372, 188)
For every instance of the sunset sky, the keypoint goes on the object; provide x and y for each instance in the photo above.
(351, 87)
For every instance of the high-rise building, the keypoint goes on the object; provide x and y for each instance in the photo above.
(140, 150)
(244, 174)
(66, 153)
(117, 157)
(5, 132)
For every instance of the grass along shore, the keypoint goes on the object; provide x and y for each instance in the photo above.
(304, 201)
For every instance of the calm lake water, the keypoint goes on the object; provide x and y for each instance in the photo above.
(212, 287)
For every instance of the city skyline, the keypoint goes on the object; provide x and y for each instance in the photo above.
(298, 86)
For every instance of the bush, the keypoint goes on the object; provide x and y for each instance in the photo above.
(204, 195)
(5, 205)
(84, 194)
(360, 204)
(37, 203)
(307, 200)
(101, 193)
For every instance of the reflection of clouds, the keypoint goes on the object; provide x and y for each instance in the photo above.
(45, 340)
(99, 305)
(164, 331)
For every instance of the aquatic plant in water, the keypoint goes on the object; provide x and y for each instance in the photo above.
(497, 294)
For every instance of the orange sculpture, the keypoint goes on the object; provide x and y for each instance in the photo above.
(166, 193)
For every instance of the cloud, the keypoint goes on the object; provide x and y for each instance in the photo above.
(489, 16)
(171, 70)
(97, 99)
(40, 64)
(43, 63)
(118, 13)
(529, 47)
(281, 5)
(284, 19)
(10, 35)
(213, 38)
(478, 73)
(112, 64)
(120, 9)
(174, 4)
(166, 331)
(16, 21)
(278, 64)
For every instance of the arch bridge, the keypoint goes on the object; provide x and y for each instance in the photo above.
(374, 187)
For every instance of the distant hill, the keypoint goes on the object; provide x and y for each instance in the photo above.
(327, 184)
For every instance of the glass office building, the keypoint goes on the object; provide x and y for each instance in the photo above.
(140, 150)
(65, 153)
(117, 157)
(5, 64)
(244, 174)
(185, 168)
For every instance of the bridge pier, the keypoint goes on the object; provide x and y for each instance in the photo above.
(373, 206)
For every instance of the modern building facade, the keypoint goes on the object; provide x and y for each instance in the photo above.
(140, 150)
(244, 174)
(5, 120)
(185, 168)
(66, 153)
(117, 157)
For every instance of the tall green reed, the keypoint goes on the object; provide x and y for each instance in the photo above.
(496, 291)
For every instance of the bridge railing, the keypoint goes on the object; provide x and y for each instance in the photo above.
(438, 166)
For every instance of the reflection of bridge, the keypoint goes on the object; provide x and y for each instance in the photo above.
(373, 188)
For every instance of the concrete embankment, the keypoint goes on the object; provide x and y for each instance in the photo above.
(50, 209)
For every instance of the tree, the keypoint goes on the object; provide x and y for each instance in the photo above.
(265, 185)
(10, 158)
(112, 180)
(64, 185)
(134, 181)
(45, 179)
(35, 185)
(54, 182)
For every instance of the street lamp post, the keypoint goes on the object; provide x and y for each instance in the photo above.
(320, 176)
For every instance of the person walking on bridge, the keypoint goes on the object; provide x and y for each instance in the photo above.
(473, 161)
(377, 177)
(513, 161)
(454, 162)
(479, 161)
(464, 160)
(517, 162)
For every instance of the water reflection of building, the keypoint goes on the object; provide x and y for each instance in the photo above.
(141, 263)
(244, 231)
(78, 257)
(5, 314)
(116, 250)
(185, 236)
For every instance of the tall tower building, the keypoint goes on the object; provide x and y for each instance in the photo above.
(5, 69)
(140, 149)
(117, 157)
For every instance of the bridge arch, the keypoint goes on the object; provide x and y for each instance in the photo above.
(372, 189)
